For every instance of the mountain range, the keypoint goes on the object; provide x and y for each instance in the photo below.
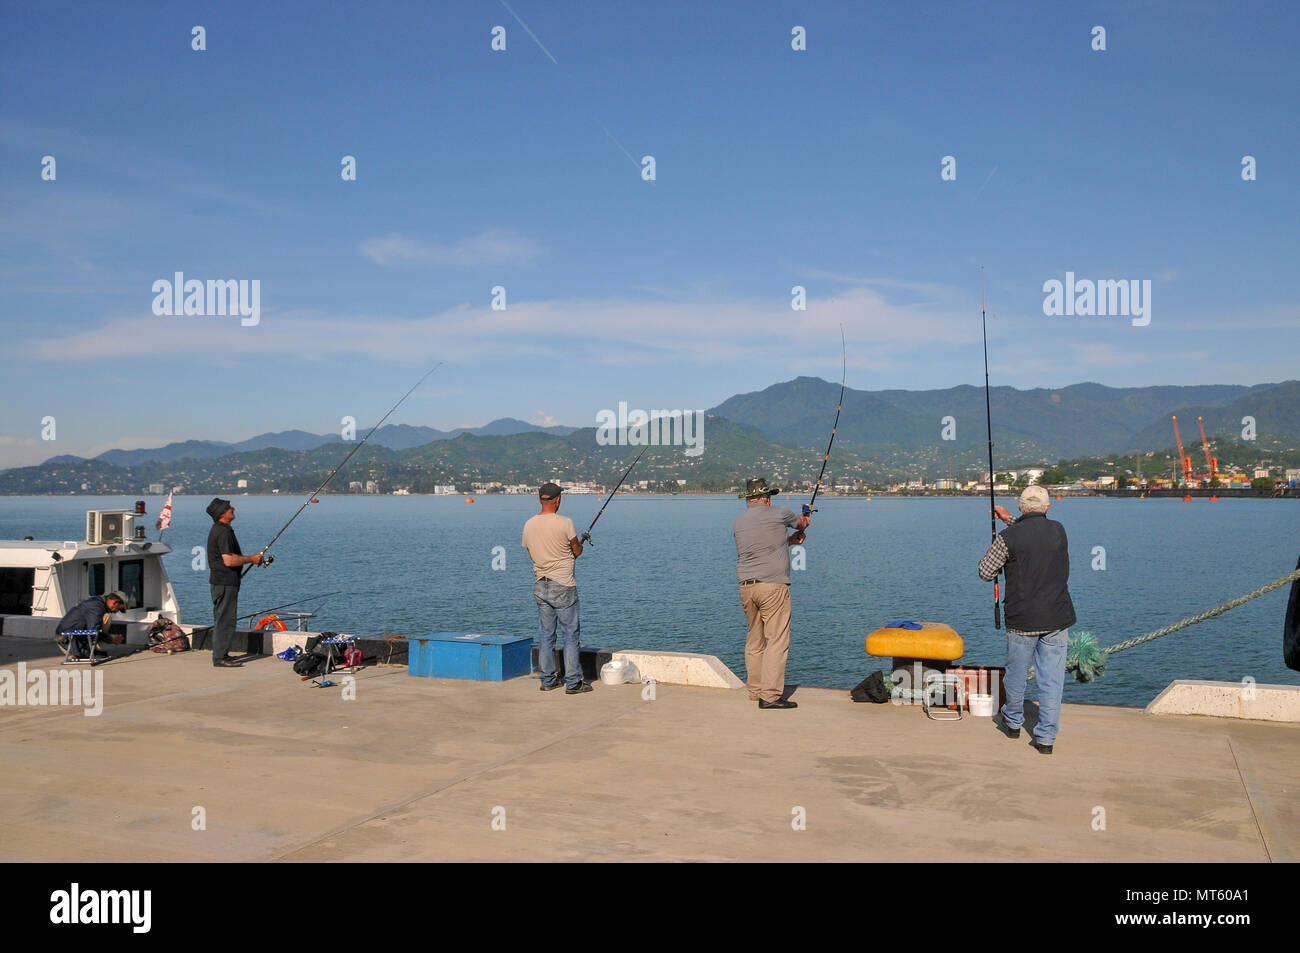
(1029, 426)
(781, 430)
(393, 436)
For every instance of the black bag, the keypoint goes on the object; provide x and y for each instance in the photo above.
(312, 660)
(1291, 628)
(871, 689)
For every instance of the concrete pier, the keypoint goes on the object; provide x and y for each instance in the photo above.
(428, 769)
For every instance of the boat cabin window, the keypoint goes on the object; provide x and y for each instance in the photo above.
(16, 590)
(130, 579)
(95, 576)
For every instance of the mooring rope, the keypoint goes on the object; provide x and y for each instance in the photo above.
(1087, 660)
(1207, 614)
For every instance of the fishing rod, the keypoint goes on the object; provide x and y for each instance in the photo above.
(324, 595)
(586, 537)
(988, 415)
(312, 498)
(808, 509)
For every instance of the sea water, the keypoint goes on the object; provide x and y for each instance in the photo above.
(661, 574)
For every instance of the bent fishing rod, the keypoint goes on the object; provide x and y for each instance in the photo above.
(310, 499)
(586, 536)
(808, 508)
(988, 416)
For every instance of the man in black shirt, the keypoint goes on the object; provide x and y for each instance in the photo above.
(225, 562)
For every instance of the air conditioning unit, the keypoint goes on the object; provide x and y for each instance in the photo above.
(109, 526)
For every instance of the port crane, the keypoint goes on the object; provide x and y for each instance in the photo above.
(1185, 462)
(1211, 462)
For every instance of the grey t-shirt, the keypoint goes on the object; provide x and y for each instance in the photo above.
(761, 550)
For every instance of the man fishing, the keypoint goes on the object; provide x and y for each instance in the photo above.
(225, 560)
(553, 545)
(91, 615)
(1035, 555)
(763, 570)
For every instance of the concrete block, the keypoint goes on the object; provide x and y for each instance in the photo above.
(682, 668)
(1188, 696)
(590, 659)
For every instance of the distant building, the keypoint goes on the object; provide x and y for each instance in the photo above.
(354, 486)
(241, 484)
(1261, 472)
(156, 489)
(1105, 481)
(372, 486)
(444, 489)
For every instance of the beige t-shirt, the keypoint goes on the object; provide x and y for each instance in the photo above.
(546, 537)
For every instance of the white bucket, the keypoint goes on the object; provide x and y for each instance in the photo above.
(981, 706)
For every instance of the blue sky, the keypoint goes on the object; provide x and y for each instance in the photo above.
(478, 168)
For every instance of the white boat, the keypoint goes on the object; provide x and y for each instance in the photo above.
(41, 579)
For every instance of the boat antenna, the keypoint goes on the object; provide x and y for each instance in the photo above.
(844, 366)
(586, 536)
(312, 498)
(988, 415)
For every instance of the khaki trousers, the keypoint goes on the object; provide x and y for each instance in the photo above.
(767, 646)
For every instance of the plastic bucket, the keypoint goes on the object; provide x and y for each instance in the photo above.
(981, 706)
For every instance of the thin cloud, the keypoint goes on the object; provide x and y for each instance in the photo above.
(494, 246)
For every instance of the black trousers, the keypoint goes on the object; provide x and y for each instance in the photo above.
(225, 606)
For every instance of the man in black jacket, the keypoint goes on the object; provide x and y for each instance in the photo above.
(225, 568)
(1035, 555)
(91, 615)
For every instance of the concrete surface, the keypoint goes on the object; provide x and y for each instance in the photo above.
(1188, 696)
(420, 769)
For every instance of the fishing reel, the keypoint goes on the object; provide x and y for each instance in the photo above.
(267, 559)
(808, 510)
(585, 538)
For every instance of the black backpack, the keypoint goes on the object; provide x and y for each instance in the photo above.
(871, 689)
(312, 660)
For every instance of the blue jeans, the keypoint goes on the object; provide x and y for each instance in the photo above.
(1047, 653)
(558, 604)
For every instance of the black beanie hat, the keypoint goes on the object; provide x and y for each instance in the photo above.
(217, 508)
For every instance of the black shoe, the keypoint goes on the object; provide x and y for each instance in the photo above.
(226, 663)
(99, 656)
(1041, 749)
(779, 703)
(1002, 727)
(578, 689)
(552, 687)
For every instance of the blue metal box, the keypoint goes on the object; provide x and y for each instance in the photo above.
(481, 656)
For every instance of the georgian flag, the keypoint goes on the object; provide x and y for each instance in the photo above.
(165, 517)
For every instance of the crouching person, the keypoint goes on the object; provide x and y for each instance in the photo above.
(91, 615)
